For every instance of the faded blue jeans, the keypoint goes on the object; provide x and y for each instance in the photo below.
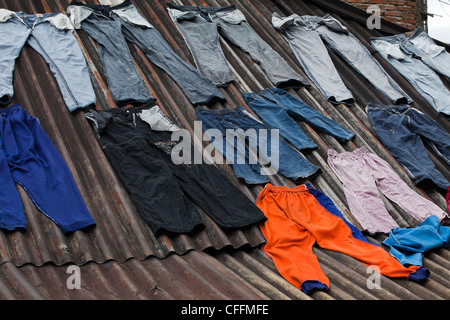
(279, 109)
(306, 32)
(112, 28)
(236, 128)
(201, 26)
(397, 51)
(404, 131)
(51, 36)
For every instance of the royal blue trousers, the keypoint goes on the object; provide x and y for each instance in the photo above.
(29, 158)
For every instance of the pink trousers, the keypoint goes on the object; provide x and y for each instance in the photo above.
(363, 175)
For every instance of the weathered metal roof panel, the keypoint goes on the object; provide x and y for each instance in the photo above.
(120, 258)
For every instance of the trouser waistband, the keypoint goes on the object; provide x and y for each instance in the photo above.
(102, 9)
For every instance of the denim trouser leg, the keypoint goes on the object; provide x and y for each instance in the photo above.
(60, 50)
(279, 72)
(319, 66)
(36, 165)
(201, 28)
(63, 54)
(276, 117)
(202, 38)
(279, 108)
(124, 81)
(354, 52)
(10, 49)
(434, 56)
(291, 163)
(419, 75)
(404, 131)
(195, 85)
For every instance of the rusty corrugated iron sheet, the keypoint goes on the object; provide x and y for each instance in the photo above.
(121, 258)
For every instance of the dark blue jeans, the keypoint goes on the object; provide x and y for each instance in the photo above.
(404, 131)
(29, 158)
(291, 164)
(279, 109)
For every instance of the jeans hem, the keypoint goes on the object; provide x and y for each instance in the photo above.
(210, 100)
(300, 179)
(292, 84)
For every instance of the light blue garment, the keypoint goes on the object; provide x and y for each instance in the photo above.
(397, 51)
(408, 245)
(51, 36)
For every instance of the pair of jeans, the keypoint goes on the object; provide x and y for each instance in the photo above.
(201, 26)
(230, 130)
(111, 28)
(138, 143)
(401, 54)
(51, 35)
(434, 56)
(300, 217)
(29, 158)
(362, 174)
(279, 109)
(306, 35)
(408, 245)
(404, 131)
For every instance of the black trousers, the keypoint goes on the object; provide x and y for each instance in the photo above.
(162, 191)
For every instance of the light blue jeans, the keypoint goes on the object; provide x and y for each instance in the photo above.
(306, 32)
(397, 51)
(57, 45)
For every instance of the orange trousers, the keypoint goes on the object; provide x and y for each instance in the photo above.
(296, 221)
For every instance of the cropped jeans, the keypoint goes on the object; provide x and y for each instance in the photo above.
(51, 35)
(201, 26)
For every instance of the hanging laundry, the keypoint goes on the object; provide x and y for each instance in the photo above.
(405, 131)
(296, 221)
(201, 27)
(307, 35)
(363, 174)
(400, 52)
(51, 35)
(29, 158)
(237, 126)
(111, 27)
(280, 109)
(408, 245)
(138, 143)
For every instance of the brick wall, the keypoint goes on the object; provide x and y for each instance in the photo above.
(404, 13)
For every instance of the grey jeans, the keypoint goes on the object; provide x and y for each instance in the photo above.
(201, 26)
(51, 36)
(396, 50)
(111, 28)
(306, 35)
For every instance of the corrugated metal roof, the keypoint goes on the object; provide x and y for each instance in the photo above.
(120, 258)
